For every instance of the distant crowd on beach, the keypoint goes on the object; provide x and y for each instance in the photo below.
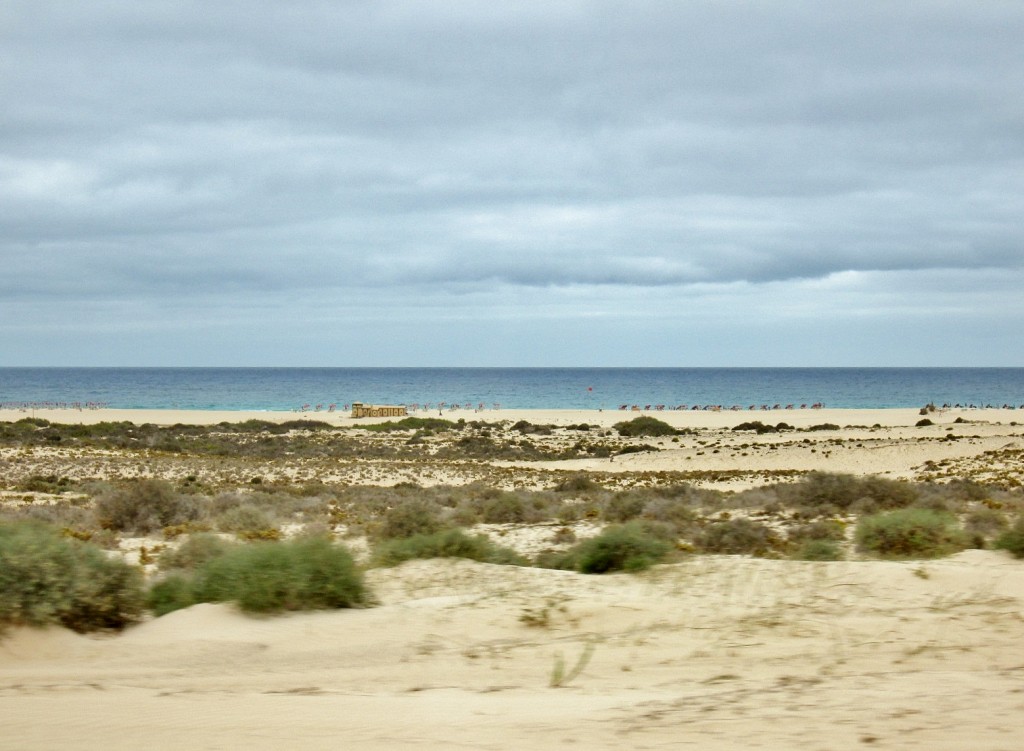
(481, 406)
(79, 406)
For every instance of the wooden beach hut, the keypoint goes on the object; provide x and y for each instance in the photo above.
(379, 410)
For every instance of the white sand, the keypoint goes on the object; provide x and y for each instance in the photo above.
(714, 653)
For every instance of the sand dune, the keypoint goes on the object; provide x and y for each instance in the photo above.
(711, 653)
(714, 652)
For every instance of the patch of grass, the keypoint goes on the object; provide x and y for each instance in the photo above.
(49, 579)
(910, 533)
(450, 543)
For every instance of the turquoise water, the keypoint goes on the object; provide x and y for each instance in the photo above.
(512, 388)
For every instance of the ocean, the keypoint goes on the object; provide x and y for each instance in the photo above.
(510, 388)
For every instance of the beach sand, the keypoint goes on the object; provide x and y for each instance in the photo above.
(714, 652)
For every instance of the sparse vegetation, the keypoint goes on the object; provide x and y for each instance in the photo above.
(450, 543)
(740, 535)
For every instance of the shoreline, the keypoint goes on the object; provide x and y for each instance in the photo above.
(725, 418)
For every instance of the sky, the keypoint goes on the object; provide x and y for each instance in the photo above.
(529, 183)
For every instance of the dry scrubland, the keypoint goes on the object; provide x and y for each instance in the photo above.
(813, 579)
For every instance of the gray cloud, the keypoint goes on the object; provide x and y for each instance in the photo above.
(456, 156)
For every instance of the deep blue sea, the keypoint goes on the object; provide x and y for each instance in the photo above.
(511, 388)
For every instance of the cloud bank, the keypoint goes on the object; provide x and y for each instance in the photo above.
(472, 183)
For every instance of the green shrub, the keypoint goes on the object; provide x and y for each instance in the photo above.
(268, 577)
(819, 550)
(49, 579)
(739, 536)
(910, 533)
(144, 506)
(1013, 539)
(450, 543)
(305, 574)
(644, 426)
(625, 547)
(171, 593)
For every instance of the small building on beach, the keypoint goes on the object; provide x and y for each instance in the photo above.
(379, 410)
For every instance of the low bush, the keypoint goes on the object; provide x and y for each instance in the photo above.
(450, 543)
(760, 428)
(910, 533)
(984, 523)
(245, 518)
(838, 491)
(644, 426)
(624, 506)
(577, 483)
(49, 579)
(507, 508)
(625, 547)
(196, 551)
(268, 577)
(823, 529)
(739, 536)
(1013, 539)
(144, 506)
(410, 517)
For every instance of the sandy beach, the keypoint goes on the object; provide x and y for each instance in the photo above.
(710, 652)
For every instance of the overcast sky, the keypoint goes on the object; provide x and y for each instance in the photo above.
(538, 182)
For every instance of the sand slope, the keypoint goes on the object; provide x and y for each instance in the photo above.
(714, 652)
